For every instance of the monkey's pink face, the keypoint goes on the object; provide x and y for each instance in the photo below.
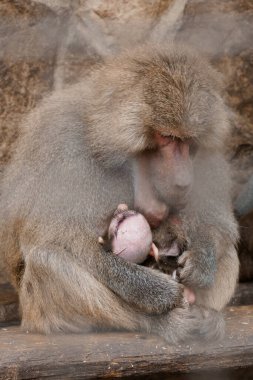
(163, 178)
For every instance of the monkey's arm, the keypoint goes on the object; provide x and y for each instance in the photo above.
(207, 234)
(210, 264)
(141, 287)
(65, 297)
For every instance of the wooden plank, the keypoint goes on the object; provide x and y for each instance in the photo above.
(109, 355)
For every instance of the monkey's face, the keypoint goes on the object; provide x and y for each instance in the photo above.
(163, 178)
(171, 170)
(152, 108)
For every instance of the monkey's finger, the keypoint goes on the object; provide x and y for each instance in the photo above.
(173, 251)
(154, 252)
(174, 275)
(183, 258)
(185, 272)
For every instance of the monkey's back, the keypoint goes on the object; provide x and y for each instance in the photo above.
(46, 190)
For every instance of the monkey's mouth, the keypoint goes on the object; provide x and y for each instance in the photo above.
(177, 204)
(176, 208)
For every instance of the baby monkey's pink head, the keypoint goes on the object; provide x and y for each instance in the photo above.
(130, 235)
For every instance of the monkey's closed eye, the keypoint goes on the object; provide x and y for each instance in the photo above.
(163, 140)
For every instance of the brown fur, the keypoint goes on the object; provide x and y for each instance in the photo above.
(73, 166)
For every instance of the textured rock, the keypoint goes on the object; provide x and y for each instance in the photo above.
(28, 45)
(96, 29)
(29, 34)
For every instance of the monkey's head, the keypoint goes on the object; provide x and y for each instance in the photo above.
(151, 91)
(164, 105)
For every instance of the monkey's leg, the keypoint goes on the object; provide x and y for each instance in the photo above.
(225, 280)
(56, 294)
(52, 270)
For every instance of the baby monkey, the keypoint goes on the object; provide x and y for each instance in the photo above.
(130, 237)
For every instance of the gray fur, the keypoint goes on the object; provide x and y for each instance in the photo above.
(73, 166)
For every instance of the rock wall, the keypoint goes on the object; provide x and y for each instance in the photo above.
(46, 44)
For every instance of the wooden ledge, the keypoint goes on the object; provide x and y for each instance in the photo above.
(112, 355)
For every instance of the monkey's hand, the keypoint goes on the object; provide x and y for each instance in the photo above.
(171, 242)
(197, 269)
(195, 261)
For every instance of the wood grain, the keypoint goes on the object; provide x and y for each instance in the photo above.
(110, 355)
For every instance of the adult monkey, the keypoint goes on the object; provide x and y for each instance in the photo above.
(146, 129)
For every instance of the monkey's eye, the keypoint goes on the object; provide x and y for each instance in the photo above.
(163, 140)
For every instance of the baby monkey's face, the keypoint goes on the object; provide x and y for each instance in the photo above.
(130, 235)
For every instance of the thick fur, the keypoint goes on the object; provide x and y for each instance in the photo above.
(73, 166)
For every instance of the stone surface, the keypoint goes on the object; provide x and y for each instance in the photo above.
(29, 34)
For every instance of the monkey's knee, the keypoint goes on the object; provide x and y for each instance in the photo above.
(35, 300)
(43, 296)
(57, 294)
(225, 282)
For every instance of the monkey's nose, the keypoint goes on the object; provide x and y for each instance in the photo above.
(182, 183)
(155, 218)
(183, 180)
